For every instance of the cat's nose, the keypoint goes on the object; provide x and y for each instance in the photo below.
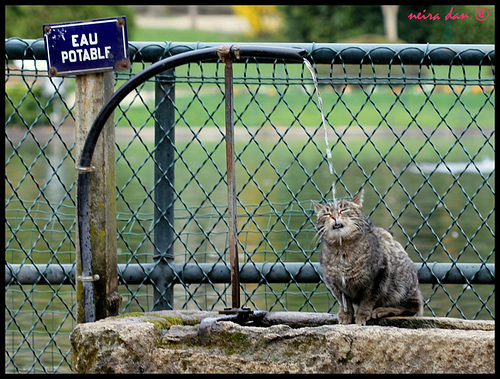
(337, 224)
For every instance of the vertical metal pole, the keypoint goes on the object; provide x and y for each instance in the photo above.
(92, 91)
(231, 183)
(164, 188)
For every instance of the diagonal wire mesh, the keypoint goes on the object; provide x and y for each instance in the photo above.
(39, 216)
(418, 138)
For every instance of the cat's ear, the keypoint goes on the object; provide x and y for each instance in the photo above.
(358, 199)
(317, 206)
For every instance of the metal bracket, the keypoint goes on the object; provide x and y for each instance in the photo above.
(226, 52)
(236, 51)
(85, 169)
(92, 278)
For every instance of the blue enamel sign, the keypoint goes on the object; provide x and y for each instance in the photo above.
(87, 46)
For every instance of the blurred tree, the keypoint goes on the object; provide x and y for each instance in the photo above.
(415, 32)
(390, 13)
(25, 21)
(263, 19)
(330, 23)
(337, 23)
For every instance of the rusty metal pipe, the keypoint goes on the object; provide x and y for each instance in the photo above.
(225, 54)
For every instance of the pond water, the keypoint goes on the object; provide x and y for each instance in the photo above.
(440, 210)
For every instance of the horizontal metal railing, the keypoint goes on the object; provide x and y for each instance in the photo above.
(430, 272)
(324, 53)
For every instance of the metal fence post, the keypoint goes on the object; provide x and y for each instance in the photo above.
(164, 187)
(231, 183)
(92, 91)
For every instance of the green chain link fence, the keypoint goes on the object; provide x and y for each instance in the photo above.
(418, 138)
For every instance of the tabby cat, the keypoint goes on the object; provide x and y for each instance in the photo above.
(363, 265)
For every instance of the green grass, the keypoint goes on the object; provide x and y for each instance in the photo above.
(282, 106)
(177, 35)
(201, 103)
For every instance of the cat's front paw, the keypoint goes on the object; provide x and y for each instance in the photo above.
(362, 317)
(344, 317)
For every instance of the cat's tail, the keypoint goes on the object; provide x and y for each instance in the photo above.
(420, 312)
(416, 304)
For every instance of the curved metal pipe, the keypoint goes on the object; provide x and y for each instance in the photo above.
(237, 52)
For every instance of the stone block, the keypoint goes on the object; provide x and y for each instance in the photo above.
(281, 342)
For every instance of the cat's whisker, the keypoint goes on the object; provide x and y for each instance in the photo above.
(322, 230)
(316, 238)
(359, 227)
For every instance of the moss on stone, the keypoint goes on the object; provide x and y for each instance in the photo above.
(230, 342)
(162, 322)
(86, 356)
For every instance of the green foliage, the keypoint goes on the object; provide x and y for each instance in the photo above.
(330, 23)
(467, 31)
(338, 23)
(416, 32)
(26, 21)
